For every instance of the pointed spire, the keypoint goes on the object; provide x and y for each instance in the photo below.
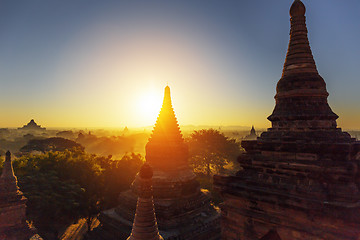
(301, 95)
(299, 58)
(252, 131)
(166, 148)
(145, 224)
(12, 205)
(167, 127)
(8, 176)
(167, 97)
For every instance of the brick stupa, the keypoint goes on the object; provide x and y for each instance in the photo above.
(300, 179)
(13, 225)
(145, 224)
(183, 210)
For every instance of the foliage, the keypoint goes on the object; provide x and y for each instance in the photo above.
(51, 202)
(120, 174)
(50, 144)
(62, 187)
(211, 151)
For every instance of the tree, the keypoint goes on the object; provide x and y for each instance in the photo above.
(52, 203)
(50, 144)
(119, 174)
(210, 151)
(62, 187)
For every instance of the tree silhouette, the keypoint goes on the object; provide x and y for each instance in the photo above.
(62, 187)
(210, 151)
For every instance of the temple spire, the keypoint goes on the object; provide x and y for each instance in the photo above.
(299, 58)
(166, 148)
(252, 131)
(8, 175)
(301, 95)
(145, 224)
(175, 190)
(167, 97)
(166, 126)
(13, 223)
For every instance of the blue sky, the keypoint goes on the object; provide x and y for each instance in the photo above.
(85, 63)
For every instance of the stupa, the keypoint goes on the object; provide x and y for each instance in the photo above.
(145, 224)
(300, 178)
(183, 210)
(13, 225)
(252, 135)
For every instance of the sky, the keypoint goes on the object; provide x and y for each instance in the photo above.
(91, 63)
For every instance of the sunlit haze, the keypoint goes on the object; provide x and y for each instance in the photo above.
(106, 63)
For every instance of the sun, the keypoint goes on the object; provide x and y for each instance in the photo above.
(148, 107)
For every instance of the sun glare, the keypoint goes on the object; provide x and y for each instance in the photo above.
(148, 107)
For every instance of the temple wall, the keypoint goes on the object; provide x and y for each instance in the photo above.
(249, 220)
(12, 215)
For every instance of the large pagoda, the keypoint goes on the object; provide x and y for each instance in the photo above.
(32, 125)
(300, 179)
(183, 210)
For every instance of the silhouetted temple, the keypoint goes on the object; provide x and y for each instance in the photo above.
(145, 224)
(300, 178)
(183, 210)
(252, 135)
(13, 225)
(32, 126)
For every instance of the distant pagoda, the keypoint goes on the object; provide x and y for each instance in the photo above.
(252, 135)
(32, 126)
(183, 210)
(13, 225)
(300, 178)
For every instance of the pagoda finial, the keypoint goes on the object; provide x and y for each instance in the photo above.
(299, 58)
(145, 224)
(297, 9)
(167, 96)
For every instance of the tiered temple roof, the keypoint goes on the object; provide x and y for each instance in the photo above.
(32, 126)
(13, 225)
(183, 210)
(300, 178)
